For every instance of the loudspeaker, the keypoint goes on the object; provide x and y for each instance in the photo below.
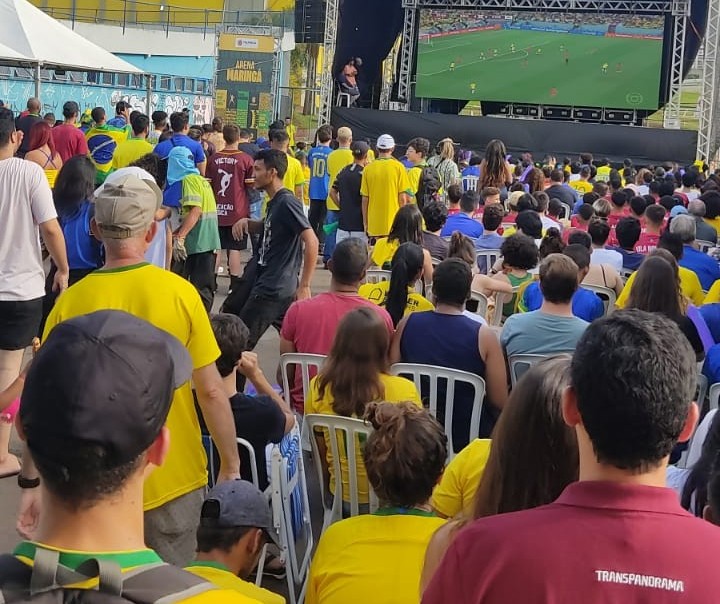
(310, 21)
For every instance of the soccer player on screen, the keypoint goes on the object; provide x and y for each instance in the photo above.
(512, 48)
(539, 50)
(482, 55)
(605, 67)
(452, 66)
(473, 86)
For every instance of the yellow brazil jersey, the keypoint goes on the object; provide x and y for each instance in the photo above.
(371, 558)
(336, 161)
(291, 129)
(414, 175)
(713, 295)
(129, 151)
(581, 186)
(714, 223)
(397, 390)
(170, 303)
(382, 182)
(128, 561)
(219, 575)
(457, 487)
(689, 284)
(377, 294)
(294, 177)
(383, 252)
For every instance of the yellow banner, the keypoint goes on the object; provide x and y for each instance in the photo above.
(245, 43)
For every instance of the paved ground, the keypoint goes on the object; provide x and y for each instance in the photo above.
(267, 350)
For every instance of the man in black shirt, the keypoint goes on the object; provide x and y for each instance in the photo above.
(245, 145)
(25, 122)
(559, 190)
(345, 192)
(285, 231)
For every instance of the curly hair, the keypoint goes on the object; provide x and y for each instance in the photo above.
(520, 252)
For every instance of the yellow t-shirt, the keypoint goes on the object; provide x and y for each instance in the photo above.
(414, 175)
(456, 491)
(128, 561)
(689, 283)
(713, 294)
(371, 558)
(306, 186)
(129, 151)
(294, 176)
(603, 174)
(336, 161)
(291, 129)
(371, 155)
(219, 575)
(383, 251)
(173, 304)
(397, 390)
(714, 223)
(377, 294)
(382, 182)
(581, 186)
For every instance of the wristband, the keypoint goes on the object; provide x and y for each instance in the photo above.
(28, 483)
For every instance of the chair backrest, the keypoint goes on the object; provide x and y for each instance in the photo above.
(705, 246)
(625, 273)
(567, 211)
(212, 470)
(376, 275)
(520, 363)
(291, 511)
(470, 183)
(210, 452)
(451, 377)
(607, 295)
(714, 397)
(701, 390)
(306, 363)
(338, 432)
(500, 300)
(486, 259)
(482, 303)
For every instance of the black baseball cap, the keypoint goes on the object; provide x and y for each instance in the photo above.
(359, 148)
(106, 378)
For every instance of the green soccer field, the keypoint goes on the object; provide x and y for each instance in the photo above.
(632, 78)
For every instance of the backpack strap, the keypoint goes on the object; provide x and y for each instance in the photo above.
(162, 584)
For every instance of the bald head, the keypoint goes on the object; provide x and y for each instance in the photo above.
(33, 105)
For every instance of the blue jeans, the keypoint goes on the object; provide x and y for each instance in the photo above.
(332, 216)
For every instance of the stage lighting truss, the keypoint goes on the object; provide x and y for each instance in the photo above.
(327, 81)
(678, 9)
(709, 105)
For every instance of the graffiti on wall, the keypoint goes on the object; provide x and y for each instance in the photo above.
(15, 93)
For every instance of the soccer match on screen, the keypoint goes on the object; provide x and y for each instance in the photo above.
(565, 59)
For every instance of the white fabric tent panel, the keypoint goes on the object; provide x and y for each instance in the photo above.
(39, 38)
(7, 53)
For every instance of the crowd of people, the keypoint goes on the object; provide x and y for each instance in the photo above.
(114, 237)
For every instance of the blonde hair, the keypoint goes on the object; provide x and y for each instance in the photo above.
(344, 135)
(446, 149)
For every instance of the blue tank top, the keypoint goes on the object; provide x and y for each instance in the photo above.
(433, 338)
(83, 250)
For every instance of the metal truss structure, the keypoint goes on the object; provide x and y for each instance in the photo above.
(708, 129)
(327, 81)
(679, 9)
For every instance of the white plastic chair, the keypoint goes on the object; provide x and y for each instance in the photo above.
(377, 275)
(350, 430)
(567, 211)
(488, 257)
(210, 445)
(625, 273)
(482, 303)
(451, 377)
(714, 397)
(470, 183)
(343, 99)
(607, 295)
(500, 300)
(705, 246)
(308, 364)
(520, 363)
(291, 512)
(702, 390)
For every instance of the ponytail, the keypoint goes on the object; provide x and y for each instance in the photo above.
(406, 264)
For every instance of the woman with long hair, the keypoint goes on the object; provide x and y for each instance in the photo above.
(694, 494)
(406, 227)
(378, 557)
(356, 373)
(535, 180)
(444, 163)
(533, 457)
(72, 194)
(398, 295)
(494, 168)
(41, 151)
(656, 288)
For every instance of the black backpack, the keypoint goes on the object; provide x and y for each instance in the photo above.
(429, 187)
(47, 580)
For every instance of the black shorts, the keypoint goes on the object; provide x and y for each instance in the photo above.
(227, 242)
(19, 323)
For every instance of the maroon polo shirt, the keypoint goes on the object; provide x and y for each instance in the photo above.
(599, 542)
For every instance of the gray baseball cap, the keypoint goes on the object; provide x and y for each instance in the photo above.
(237, 503)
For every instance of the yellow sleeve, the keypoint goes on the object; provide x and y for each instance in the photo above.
(625, 294)
(220, 596)
(404, 184)
(460, 481)
(421, 303)
(509, 231)
(713, 294)
(363, 184)
(299, 176)
(313, 397)
(202, 345)
(413, 175)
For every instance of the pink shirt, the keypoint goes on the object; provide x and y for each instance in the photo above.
(599, 542)
(311, 325)
(69, 141)
(647, 243)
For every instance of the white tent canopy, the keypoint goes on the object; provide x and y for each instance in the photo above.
(41, 40)
(8, 54)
